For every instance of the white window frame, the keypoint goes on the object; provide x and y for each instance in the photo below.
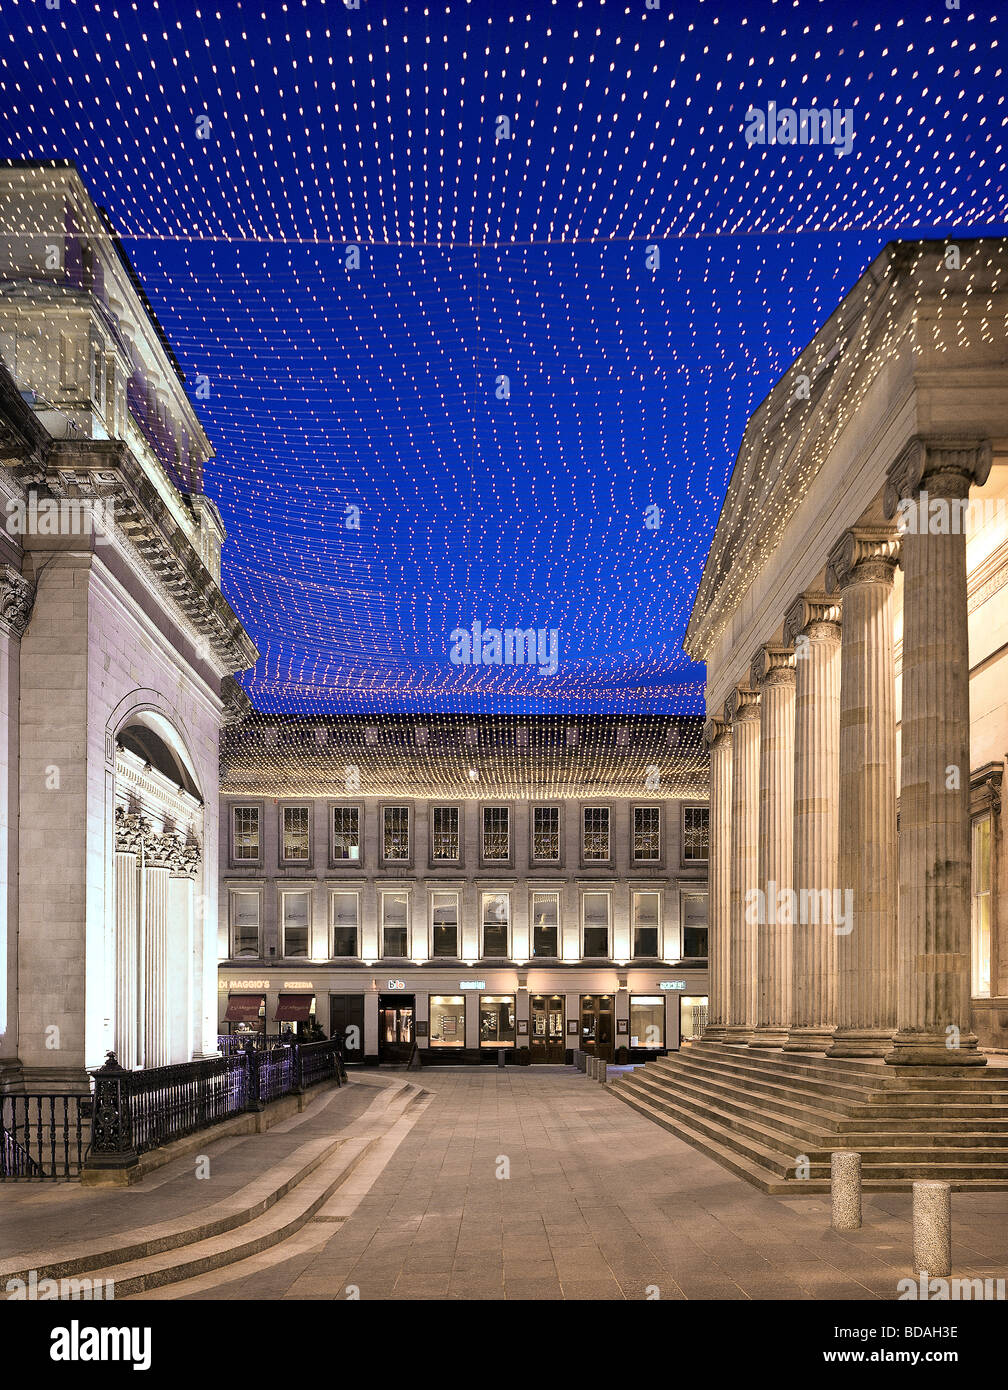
(384, 893)
(504, 893)
(538, 858)
(687, 859)
(398, 806)
(600, 893)
(252, 892)
(499, 808)
(541, 893)
(593, 858)
(657, 893)
(456, 858)
(236, 858)
(977, 894)
(289, 891)
(294, 806)
(355, 893)
(447, 893)
(645, 858)
(346, 806)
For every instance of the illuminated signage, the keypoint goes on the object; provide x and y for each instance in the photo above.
(243, 984)
(672, 984)
(395, 984)
(472, 984)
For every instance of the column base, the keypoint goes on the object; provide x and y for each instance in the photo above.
(918, 1048)
(714, 1032)
(808, 1039)
(769, 1036)
(738, 1034)
(860, 1042)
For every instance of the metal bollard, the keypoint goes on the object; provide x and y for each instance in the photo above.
(845, 1184)
(932, 1228)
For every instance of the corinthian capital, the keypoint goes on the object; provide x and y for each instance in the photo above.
(864, 554)
(944, 467)
(813, 615)
(129, 831)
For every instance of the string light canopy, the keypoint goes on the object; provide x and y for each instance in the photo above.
(474, 301)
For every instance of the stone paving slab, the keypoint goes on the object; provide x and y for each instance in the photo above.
(600, 1204)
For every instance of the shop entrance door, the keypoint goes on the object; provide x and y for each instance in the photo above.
(547, 1042)
(597, 1025)
(396, 1014)
(346, 1022)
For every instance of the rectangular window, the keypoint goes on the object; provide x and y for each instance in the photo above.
(395, 924)
(646, 908)
(545, 924)
(496, 920)
(345, 923)
(647, 833)
(981, 907)
(445, 834)
(346, 834)
(244, 924)
(444, 923)
(647, 1020)
(295, 920)
(246, 833)
(497, 1020)
(595, 907)
(546, 834)
(595, 841)
(395, 837)
(447, 1020)
(496, 834)
(696, 833)
(692, 1016)
(295, 834)
(694, 926)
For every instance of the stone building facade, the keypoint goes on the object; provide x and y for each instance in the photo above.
(473, 885)
(854, 622)
(116, 649)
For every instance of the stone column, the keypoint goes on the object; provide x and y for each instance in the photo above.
(773, 674)
(861, 567)
(158, 856)
(928, 486)
(812, 624)
(127, 905)
(742, 712)
(718, 737)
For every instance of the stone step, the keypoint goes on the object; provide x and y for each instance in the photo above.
(736, 1113)
(857, 1071)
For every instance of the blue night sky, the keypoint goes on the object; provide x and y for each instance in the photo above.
(375, 387)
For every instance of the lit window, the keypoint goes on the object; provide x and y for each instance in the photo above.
(246, 832)
(394, 924)
(345, 923)
(445, 833)
(595, 844)
(696, 833)
(647, 833)
(595, 907)
(296, 923)
(447, 1020)
(647, 1020)
(497, 1020)
(646, 918)
(692, 1016)
(694, 926)
(545, 924)
(546, 834)
(396, 837)
(444, 923)
(244, 924)
(346, 833)
(496, 834)
(981, 904)
(496, 920)
(295, 834)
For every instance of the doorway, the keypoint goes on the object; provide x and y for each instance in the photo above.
(346, 1022)
(396, 1015)
(597, 1025)
(547, 1042)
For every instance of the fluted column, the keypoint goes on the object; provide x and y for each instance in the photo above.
(159, 852)
(812, 624)
(718, 736)
(127, 842)
(861, 568)
(929, 486)
(773, 673)
(742, 712)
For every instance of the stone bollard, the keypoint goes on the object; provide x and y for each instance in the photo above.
(593, 1063)
(603, 1072)
(845, 1183)
(932, 1228)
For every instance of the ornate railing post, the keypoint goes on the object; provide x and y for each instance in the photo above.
(112, 1143)
(296, 1078)
(253, 1101)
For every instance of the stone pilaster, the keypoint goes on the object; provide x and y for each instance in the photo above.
(160, 852)
(860, 568)
(742, 712)
(718, 737)
(812, 625)
(128, 836)
(928, 489)
(773, 674)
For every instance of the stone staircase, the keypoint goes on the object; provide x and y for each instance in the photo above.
(759, 1112)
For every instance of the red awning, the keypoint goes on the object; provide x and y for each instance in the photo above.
(243, 1008)
(293, 1008)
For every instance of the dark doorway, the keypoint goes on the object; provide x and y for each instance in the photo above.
(547, 1042)
(597, 1025)
(346, 1022)
(396, 1014)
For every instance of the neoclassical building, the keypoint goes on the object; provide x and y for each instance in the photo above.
(117, 649)
(854, 621)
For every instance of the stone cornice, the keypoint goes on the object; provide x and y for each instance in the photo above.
(985, 789)
(946, 467)
(715, 730)
(742, 704)
(17, 597)
(864, 553)
(809, 614)
(772, 664)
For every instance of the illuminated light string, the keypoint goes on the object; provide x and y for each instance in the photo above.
(523, 256)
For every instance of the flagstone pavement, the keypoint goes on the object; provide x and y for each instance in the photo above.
(538, 1184)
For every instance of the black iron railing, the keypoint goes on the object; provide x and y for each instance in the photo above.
(43, 1137)
(167, 1103)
